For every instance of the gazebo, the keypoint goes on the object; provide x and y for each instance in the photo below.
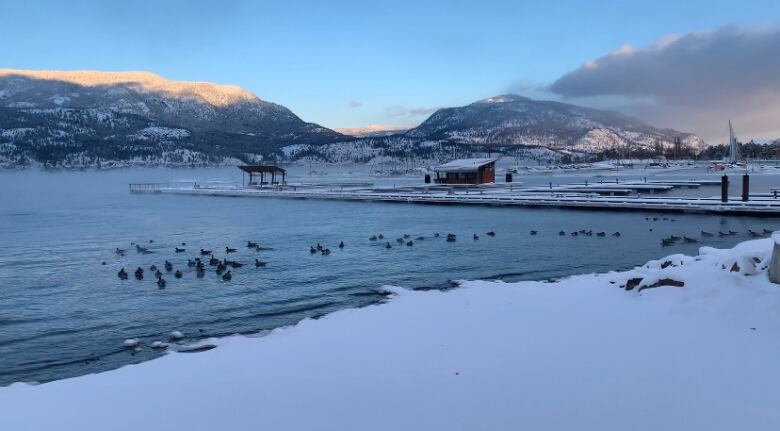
(263, 170)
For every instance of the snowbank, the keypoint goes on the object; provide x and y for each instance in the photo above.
(579, 353)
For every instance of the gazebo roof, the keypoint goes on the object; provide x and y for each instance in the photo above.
(265, 169)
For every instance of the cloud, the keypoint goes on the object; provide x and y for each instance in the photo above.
(694, 82)
(354, 104)
(402, 111)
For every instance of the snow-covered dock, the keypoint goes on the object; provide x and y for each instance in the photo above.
(490, 195)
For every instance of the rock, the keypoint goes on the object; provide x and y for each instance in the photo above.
(663, 282)
(131, 342)
(734, 268)
(177, 335)
(666, 264)
(633, 282)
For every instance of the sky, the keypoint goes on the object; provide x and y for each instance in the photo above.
(355, 63)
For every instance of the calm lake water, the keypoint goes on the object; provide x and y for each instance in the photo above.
(64, 313)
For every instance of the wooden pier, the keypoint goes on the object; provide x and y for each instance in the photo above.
(488, 196)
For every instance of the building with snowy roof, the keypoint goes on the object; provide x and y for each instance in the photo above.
(466, 171)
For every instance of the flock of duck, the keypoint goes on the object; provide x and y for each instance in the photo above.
(407, 239)
(222, 266)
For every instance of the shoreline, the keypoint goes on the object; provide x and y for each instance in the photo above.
(691, 357)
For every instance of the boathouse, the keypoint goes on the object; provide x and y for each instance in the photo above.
(466, 171)
(263, 170)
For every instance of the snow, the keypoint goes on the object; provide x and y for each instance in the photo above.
(177, 335)
(577, 353)
(464, 165)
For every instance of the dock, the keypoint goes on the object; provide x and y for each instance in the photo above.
(487, 195)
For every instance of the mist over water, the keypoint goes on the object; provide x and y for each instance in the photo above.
(63, 313)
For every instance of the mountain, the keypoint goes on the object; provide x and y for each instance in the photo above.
(373, 130)
(86, 118)
(517, 120)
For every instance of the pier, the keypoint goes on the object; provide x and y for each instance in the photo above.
(498, 195)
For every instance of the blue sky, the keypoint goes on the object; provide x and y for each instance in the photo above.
(353, 63)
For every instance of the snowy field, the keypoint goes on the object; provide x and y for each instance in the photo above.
(579, 353)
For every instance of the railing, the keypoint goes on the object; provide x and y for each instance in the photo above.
(146, 187)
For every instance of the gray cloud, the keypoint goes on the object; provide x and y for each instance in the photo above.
(402, 111)
(694, 82)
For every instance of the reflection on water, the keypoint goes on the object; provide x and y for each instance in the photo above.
(64, 313)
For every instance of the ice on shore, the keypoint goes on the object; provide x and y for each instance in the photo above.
(579, 353)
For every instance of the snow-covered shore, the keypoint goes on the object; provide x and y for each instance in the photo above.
(579, 353)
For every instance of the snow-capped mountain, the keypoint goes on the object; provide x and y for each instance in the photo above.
(517, 120)
(93, 117)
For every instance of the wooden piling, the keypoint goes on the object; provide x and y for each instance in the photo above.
(774, 264)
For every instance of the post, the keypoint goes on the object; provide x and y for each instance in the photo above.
(745, 187)
(774, 264)
(509, 177)
(724, 188)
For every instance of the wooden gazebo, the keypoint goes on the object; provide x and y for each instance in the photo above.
(263, 170)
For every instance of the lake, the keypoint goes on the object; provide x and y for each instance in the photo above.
(64, 312)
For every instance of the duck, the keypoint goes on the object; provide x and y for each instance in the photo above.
(161, 283)
(122, 274)
(601, 234)
(665, 242)
(180, 250)
(589, 233)
(381, 236)
(325, 251)
(213, 261)
(491, 233)
(259, 263)
(674, 237)
(183, 244)
(250, 244)
(731, 232)
(753, 234)
(476, 237)
(451, 237)
(705, 233)
(689, 239)
(177, 274)
(140, 249)
(721, 233)
(190, 263)
(157, 274)
(561, 233)
(205, 252)
(153, 268)
(420, 238)
(139, 273)
(533, 232)
(767, 231)
(399, 240)
(221, 268)
(409, 243)
(227, 276)
(230, 250)
(406, 235)
(168, 266)
(436, 235)
(312, 250)
(372, 238)
(575, 233)
(119, 251)
(341, 244)
(616, 234)
(387, 245)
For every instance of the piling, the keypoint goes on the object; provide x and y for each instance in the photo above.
(774, 264)
(745, 188)
(724, 188)
(509, 177)
(427, 179)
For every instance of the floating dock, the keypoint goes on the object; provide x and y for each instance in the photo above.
(502, 195)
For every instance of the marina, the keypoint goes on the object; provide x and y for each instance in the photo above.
(631, 195)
